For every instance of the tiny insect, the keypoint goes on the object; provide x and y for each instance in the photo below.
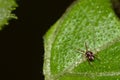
(88, 54)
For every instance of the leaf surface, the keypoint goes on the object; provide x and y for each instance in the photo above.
(90, 22)
(6, 7)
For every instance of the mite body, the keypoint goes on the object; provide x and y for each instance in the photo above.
(90, 56)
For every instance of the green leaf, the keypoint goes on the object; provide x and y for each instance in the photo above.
(90, 22)
(6, 6)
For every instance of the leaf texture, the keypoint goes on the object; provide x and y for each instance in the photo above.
(90, 22)
(6, 7)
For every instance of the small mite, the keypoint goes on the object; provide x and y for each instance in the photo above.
(88, 54)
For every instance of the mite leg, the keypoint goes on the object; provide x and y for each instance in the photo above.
(79, 50)
(90, 63)
(86, 46)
